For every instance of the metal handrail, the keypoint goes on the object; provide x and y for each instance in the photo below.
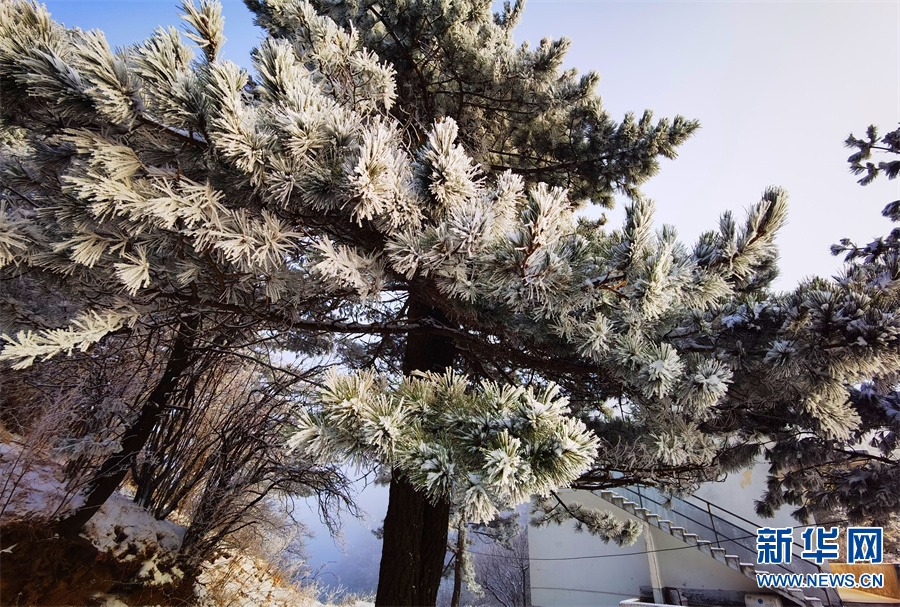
(712, 518)
(724, 524)
(709, 506)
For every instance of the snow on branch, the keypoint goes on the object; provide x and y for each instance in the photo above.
(86, 329)
(484, 448)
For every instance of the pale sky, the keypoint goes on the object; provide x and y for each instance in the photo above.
(777, 87)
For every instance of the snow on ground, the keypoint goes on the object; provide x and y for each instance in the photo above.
(246, 583)
(128, 532)
(32, 484)
(108, 600)
(121, 523)
(242, 581)
(33, 487)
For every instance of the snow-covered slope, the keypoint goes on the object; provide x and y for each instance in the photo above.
(32, 489)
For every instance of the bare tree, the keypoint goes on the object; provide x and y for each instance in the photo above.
(503, 572)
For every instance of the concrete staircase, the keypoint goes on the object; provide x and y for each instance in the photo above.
(795, 595)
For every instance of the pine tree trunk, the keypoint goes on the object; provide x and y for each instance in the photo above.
(113, 470)
(434, 550)
(415, 530)
(398, 577)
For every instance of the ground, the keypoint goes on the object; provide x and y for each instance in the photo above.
(123, 558)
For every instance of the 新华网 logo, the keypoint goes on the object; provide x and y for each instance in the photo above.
(774, 546)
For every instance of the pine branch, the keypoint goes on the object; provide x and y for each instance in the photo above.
(189, 137)
(422, 81)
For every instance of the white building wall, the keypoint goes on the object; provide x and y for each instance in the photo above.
(682, 567)
(738, 493)
(562, 576)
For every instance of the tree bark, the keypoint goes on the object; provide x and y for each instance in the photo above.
(434, 550)
(415, 529)
(111, 473)
(398, 577)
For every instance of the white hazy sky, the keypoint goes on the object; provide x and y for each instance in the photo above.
(777, 87)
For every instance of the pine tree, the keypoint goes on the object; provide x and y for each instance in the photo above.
(510, 109)
(389, 186)
(181, 195)
(848, 328)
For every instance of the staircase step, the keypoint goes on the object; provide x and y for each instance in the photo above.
(692, 539)
(718, 554)
(794, 594)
